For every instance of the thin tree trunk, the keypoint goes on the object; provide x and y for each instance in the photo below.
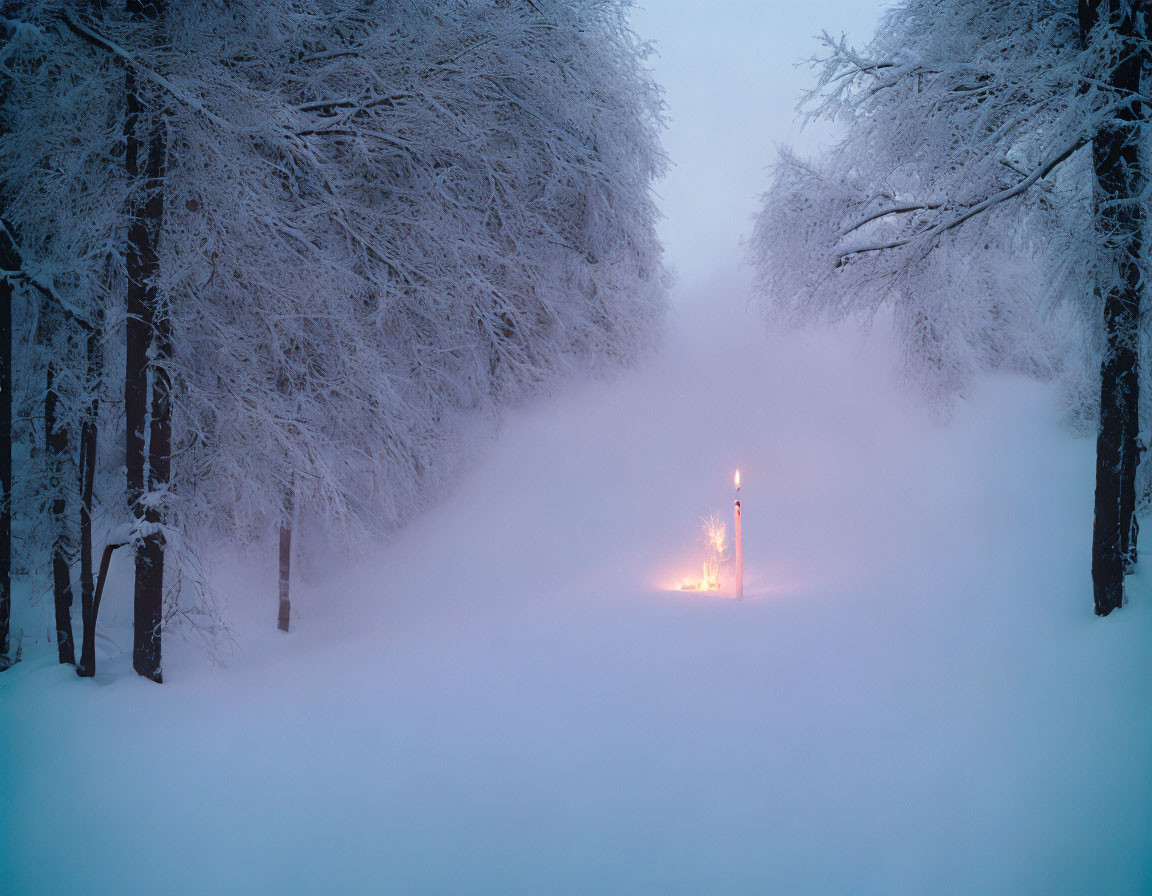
(56, 447)
(137, 336)
(1119, 182)
(9, 261)
(284, 618)
(136, 361)
(285, 614)
(88, 432)
(150, 559)
(146, 380)
(89, 666)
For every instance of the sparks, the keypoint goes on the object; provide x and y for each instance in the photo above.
(715, 538)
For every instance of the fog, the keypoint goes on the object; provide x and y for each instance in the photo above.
(733, 75)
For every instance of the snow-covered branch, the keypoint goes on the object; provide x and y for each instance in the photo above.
(965, 127)
(382, 225)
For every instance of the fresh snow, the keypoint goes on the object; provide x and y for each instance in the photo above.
(511, 697)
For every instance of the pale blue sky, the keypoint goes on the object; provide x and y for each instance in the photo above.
(732, 84)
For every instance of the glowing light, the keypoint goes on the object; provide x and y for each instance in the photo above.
(716, 536)
(715, 540)
(717, 553)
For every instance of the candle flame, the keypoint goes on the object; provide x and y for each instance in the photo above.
(736, 479)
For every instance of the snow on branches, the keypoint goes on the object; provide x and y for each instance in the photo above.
(959, 193)
(413, 218)
(381, 220)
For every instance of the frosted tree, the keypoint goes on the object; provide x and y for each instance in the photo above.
(990, 172)
(61, 217)
(86, 169)
(327, 236)
(147, 377)
(421, 233)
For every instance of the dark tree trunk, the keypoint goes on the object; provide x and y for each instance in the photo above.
(146, 379)
(1119, 184)
(150, 558)
(56, 448)
(140, 253)
(285, 615)
(9, 262)
(87, 665)
(284, 618)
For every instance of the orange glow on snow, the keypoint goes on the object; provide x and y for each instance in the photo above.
(709, 579)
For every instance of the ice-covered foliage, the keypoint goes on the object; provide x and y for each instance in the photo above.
(62, 198)
(381, 220)
(443, 208)
(960, 191)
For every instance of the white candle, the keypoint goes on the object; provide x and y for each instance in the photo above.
(739, 543)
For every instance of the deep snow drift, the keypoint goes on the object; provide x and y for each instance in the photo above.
(914, 697)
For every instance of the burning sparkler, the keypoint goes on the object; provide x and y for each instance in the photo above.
(715, 539)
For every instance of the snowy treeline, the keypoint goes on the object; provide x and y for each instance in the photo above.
(352, 228)
(988, 188)
(948, 116)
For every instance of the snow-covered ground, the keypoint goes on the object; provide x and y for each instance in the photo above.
(914, 696)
